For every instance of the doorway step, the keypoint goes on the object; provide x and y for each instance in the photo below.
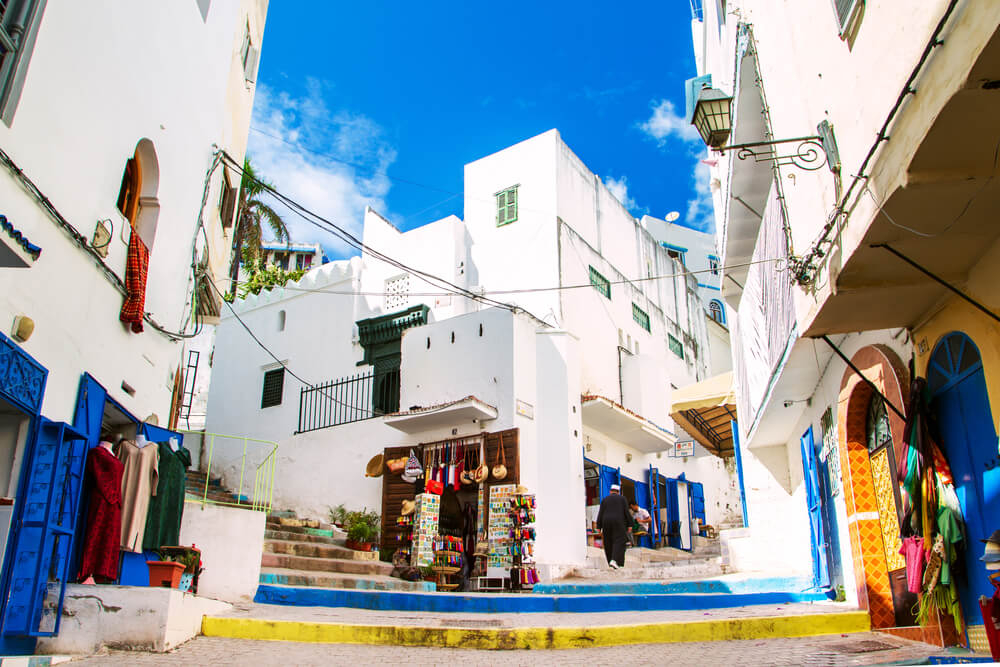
(308, 554)
(642, 563)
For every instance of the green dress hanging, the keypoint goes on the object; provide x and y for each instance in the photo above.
(163, 520)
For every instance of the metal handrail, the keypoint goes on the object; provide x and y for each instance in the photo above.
(262, 490)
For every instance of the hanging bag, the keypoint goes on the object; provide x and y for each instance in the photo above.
(500, 469)
(482, 472)
(434, 485)
(413, 470)
(466, 476)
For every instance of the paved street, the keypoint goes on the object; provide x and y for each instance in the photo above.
(830, 651)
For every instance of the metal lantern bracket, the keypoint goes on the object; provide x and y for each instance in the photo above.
(810, 153)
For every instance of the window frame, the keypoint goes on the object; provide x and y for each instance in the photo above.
(641, 318)
(26, 16)
(675, 346)
(721, 319)
(266, 398)
(503, 215)
(845, 20)
(600, 283)
(714, 265)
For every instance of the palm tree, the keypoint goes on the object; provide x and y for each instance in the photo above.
(252, 214)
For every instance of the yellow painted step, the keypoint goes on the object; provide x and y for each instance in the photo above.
(761, 627)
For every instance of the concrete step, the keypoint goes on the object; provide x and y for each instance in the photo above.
(292, 522)
(288, 535)
(317, 550)
(312, 579)
(689, 568)
(317, 564)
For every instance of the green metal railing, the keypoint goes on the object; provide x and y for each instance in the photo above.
(259, 455)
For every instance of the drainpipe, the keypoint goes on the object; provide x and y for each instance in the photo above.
(621, 384)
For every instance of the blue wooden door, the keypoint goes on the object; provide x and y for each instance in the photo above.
(42, 539)
(814, 505)
(654, 505)
(698, 501)
(969, 442)
(609, 476)
(673, 515)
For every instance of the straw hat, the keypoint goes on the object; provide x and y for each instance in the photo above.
(521, 490)
(374, 467)
(408, 507)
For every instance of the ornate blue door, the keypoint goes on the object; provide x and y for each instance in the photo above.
(969, 441)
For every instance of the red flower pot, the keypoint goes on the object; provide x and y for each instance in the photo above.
(358, 546)
(164, 574)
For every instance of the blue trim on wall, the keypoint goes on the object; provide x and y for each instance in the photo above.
(717, 289)
(479, 603)
(734, 426)
(671, 246)
(725, 584)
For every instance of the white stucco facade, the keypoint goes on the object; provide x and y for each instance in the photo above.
(566, 340)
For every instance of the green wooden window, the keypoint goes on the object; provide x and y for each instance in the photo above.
(507, 206)
(640, 316)
(602, 284)
(675, 346)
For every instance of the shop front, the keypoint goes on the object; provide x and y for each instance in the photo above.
(921, 492)
(44, 507)
(464, 520)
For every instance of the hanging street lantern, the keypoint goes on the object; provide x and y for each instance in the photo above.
(713, 116)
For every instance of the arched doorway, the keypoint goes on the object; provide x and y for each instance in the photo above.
(959, 400)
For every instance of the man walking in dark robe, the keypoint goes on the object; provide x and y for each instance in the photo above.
(613, 520)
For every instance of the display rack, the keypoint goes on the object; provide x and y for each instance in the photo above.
(521, 511)
(426, 518)
(499, 561)
(404, 536)
(447, 565)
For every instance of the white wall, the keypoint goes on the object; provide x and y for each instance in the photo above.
(231, 541)
(78, 121)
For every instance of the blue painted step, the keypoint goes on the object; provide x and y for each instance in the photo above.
(487, 603)
(724, 584)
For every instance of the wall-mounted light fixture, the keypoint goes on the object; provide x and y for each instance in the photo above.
(713, 118)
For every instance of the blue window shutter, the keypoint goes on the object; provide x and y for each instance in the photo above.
(43, 537)
(698, 501)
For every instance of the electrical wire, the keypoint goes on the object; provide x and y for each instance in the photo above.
(329, 226)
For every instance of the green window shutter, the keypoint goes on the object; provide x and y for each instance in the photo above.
(602, 284)
(641, 317)
(512, 205)
(675, 346)
(506, 206)
(845, 11)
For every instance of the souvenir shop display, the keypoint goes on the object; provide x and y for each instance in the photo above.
(499, 561)
(426, 518)
(101, 542)
(521, 510)
(404, 538)
(141, 459)
(166, 506)
(448, 562)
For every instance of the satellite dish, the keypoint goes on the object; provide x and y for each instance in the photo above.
(673, 215)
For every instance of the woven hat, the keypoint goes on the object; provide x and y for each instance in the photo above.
(991, 555)
(408, 507)
(994, 538)
(374, 467)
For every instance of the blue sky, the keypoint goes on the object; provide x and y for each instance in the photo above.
(383, 103)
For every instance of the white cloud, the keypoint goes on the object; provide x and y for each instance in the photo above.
(332, 162)
(664, 126)
(619, 188)
(666, 123)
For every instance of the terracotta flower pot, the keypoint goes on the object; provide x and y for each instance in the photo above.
(164, 574)
(358, 546)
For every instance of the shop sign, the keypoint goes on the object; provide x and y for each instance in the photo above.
(685, 448)
(525, 409)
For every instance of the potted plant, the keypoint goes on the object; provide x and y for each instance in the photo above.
(190, 558)
(362, 529)
(338, 515)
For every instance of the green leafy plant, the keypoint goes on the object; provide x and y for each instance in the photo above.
(189, 557)
(253, 215)
(267, 278)
(338, 514)
(362, 526)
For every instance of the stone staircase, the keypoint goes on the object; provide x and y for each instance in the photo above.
(304, 553)
(195, 488)
(704, 560)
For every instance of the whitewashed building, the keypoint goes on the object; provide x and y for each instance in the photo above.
(106, 141)
(856, 178)
(573, 367)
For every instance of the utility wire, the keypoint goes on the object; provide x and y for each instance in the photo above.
(341, 233)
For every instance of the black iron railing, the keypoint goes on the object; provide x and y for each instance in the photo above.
(348, 400)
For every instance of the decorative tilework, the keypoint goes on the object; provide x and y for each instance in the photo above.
(888, 518)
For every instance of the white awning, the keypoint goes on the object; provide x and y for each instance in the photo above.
(616, 422)
(462, 411)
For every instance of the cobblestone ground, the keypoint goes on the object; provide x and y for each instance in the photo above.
(829, 651)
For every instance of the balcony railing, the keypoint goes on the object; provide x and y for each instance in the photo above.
(348, 400)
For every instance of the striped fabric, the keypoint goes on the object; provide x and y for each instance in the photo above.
(135, 283)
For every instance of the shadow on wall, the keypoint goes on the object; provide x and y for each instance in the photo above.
(775, 459)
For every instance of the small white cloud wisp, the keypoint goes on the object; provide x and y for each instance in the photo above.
(668, 128)
(332, 162)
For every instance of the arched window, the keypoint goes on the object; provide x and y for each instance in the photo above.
(716, 311)
(137, 194)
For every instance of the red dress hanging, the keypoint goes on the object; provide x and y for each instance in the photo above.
(104, 517)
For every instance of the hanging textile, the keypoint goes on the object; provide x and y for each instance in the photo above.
(166, 507)
(138, 485)
(104, 515)
(136, 269)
